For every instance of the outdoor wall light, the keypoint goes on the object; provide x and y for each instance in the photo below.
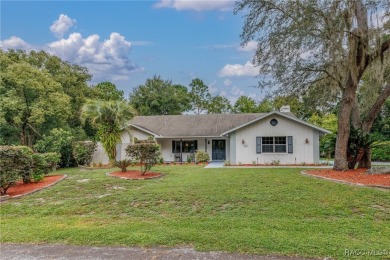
(307, 141)
(243, 141)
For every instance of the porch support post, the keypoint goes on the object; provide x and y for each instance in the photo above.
(181, 150)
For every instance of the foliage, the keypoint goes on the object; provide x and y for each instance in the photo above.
(359, 144)
(189, 194)
(54, 90)
(218, 105)
(106, 91)
(160, 97)
(147, 152)
(13, 164)
(123, 164)
(30, 100)
(245, 104)
(265, 106)
(43, 163)
(329, 122)
(328, 45)
(199, 96)
(202, 156)
(58, 141)
(111, 118)
(381, 152)
(83, 152)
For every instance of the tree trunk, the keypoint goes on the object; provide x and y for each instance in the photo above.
(341, 160)
(365, 161)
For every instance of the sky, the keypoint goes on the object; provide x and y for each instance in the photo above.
(126, 42)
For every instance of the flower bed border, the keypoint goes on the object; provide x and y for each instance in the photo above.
(382, 187)
(6, 197)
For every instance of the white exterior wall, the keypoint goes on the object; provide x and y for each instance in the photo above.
(100, 155)
(302, 152)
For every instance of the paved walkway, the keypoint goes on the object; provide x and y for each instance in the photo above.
(215, 165)
(62, 252)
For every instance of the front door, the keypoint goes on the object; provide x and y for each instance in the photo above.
(219, 150)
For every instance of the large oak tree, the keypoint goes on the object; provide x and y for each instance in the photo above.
(323, 44)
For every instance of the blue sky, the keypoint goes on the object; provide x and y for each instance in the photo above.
(126, 42)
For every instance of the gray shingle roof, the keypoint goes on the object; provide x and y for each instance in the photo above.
(192, 125)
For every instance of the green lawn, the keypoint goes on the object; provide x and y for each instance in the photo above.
(261, 211)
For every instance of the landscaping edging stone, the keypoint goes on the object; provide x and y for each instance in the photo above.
(387, 188)
(6, 197)
(108, 174)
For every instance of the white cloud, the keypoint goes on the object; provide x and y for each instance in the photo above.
(238, 70)
(250, 46)
(15, 43)
(213, 87)
(62, 25)
(236, 91)
(196, 5)
(227, 82)
(106, 60)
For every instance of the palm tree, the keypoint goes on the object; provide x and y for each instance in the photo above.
(111, 117)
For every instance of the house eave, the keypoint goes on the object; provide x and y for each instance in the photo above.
(190, 137)
(321, 130)
(144, 130)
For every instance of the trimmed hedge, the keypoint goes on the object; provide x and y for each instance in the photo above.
(381, 152)
(20, 162)
(83, 152)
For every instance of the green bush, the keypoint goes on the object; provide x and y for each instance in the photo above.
(83, 152)
(201, 156)
(147, 152)
(43, 163)
(123, 164)
(10, 168)
(25, 162)
(381, 152)
(58, 141)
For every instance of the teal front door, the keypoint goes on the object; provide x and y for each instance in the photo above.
(218, 150)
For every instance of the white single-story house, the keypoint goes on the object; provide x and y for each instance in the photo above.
(238, 138)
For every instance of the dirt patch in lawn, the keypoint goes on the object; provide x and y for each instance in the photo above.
(356, 176)
(21, 188)
(135, 175)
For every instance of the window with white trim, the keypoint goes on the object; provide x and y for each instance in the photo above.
(274, 144)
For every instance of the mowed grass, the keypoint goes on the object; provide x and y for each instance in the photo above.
(261, 211)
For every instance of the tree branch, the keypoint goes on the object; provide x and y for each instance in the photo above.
(374, 110)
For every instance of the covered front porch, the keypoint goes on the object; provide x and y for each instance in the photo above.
(182, 149)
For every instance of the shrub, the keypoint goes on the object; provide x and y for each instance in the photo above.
(123, 164)
(83, 152)
(43, 163)
(58, 141)
(52, 161)
(10, 167)
(227, 163)
(25, 162)
(147, 152)
(381, 152)
(201, 156)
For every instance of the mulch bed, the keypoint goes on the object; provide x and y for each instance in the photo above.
(21, 188)
(135, 175)
(356, 176)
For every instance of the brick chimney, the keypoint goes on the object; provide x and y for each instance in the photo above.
(285, 109)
